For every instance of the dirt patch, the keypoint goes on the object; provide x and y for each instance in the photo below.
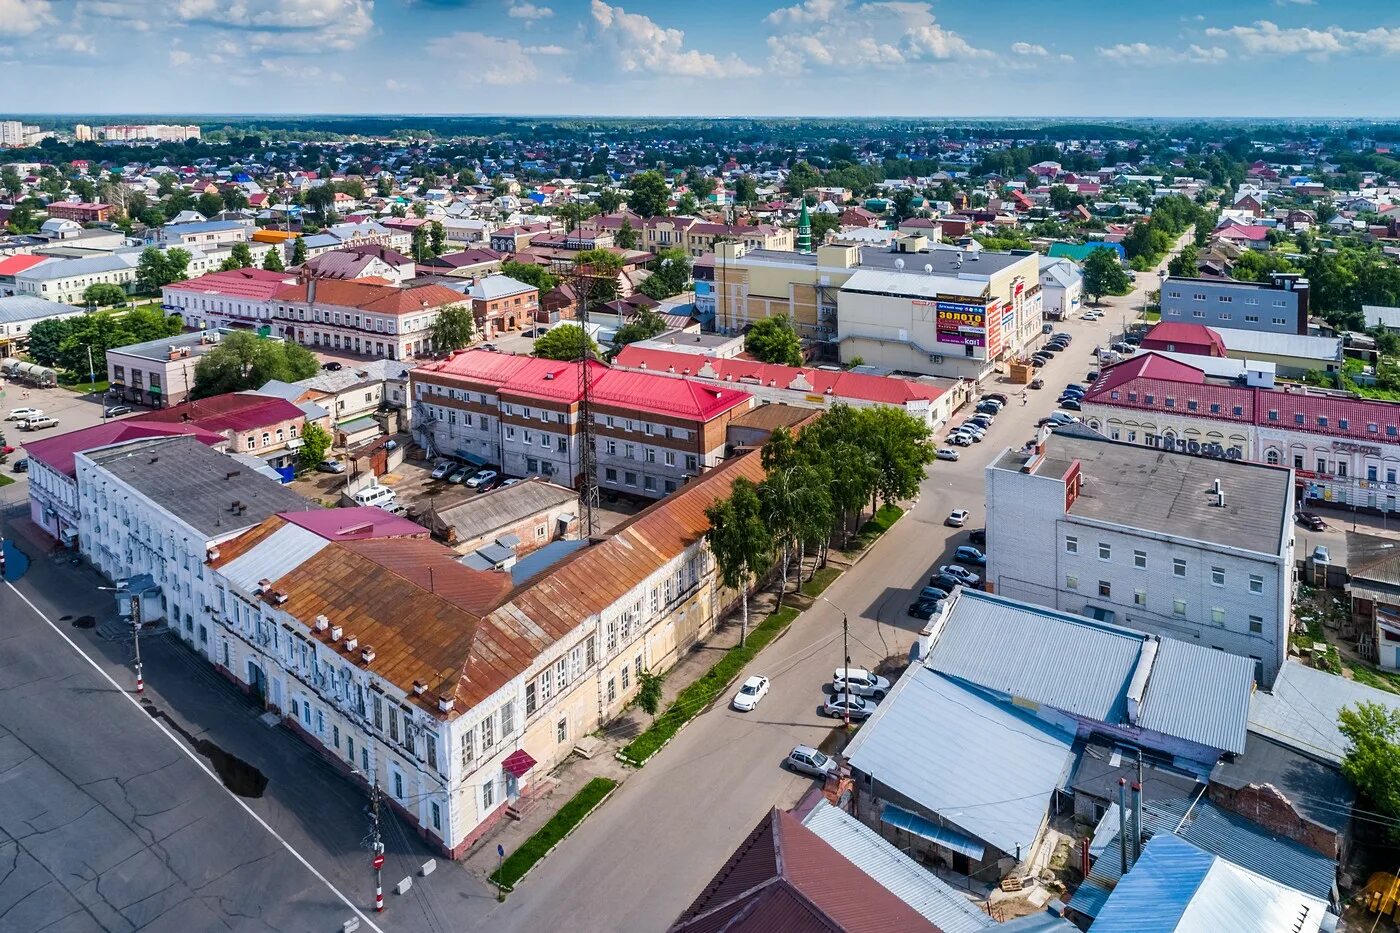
(237, 775)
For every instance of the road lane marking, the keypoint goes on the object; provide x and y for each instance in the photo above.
(190, 754)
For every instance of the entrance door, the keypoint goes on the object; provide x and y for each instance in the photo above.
(257, 683)
(512, 786)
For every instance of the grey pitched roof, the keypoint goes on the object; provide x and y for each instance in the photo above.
(89, 265)
(1198, 693)
(1317, 789)
(498, 286)
(15, 309)
(501, 508)
(1300, 711)
(198, 484)
(355, 374)
(915, 885)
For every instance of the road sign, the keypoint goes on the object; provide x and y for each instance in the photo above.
(378, 862)
(501, 851)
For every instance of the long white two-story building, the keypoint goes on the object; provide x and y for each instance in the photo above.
(1181, 546)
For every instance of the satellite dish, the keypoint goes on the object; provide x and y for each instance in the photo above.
(899, 264)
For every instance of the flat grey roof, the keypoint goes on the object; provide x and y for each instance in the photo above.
(944, 260)
(160, 349)
(1169, 493)
(198, 484)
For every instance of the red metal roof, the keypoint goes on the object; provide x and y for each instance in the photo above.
(864, 387)
(232, 411)
(14, 265)
(259, 284)
(1182, 335)
(355, 524)
(57, 452)
(518, 762)
(381, 299)
(531, 377)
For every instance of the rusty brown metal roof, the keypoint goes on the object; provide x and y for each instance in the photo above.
(784, 878)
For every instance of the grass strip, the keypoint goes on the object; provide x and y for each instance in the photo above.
(702, 693)
(824, 577)
(552, 833)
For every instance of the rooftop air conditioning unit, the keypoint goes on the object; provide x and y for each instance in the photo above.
(351, 642)
(367, 654)
(419, 688)
(322, 623)
(336, 631)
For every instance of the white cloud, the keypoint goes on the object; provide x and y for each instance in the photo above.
(639, 44)
(523, 9)
(287, 26)
(855, 35)
(77, 44)
(546, 50)
(1028, 48)
(485, 59)
(24, 17)
(1140, 53)
(179, 58)
(131, 14)
(1266, 38)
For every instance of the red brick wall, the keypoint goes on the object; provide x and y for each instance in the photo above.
(1268, 807)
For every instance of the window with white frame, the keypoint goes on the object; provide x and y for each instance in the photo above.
(1071, 544)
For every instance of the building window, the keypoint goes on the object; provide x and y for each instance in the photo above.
(1071, 544)
(437, 816)
(1105, 589)
(398, 785)
(1256, 625)
(612, 689)
(561, 731)
(1178, 567)
(1071, 582)
(1217, 615)
(1179, 607)
(488, 794)
(626, 677)
(1139, 597)
(1217, 576)
(1140, 560)
(1105, 551)
(1256, 583)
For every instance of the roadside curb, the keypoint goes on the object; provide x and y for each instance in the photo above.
(509, 888)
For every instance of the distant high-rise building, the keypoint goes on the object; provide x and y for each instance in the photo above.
(148, 132)
(11, 133)
(82, 133)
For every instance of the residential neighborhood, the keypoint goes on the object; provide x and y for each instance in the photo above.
(834, 465)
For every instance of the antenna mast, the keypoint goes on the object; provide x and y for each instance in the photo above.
(582, 276)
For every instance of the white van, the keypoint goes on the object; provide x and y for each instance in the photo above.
(381, 496)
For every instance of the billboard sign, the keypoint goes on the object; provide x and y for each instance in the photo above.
(962, 324)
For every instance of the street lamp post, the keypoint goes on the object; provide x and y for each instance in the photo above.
(135, 604)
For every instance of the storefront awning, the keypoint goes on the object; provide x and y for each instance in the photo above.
(518, 762)
(927, 829)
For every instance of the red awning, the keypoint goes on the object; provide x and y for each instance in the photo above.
(518, 762)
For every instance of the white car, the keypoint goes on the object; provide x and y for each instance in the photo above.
(23, 414)
(967, 577)
(971, 427)
(753, 690)
(1092, 315)
(956, 518)
(959, 439)
(948, 453)
(482, 478)
(863, 683)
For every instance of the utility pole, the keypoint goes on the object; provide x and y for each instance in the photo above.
(376, 844)
(846, 680)
(136, 638)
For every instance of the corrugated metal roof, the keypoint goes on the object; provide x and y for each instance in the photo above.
(984, 767)
(1064, 661)
(1043, 922)
(1301, 709)
(1243, 843)
(912, 282)
(949, 839)
(502, 508)
(285, 548)
(1176, 886)
(895, 871)
(1199, 694)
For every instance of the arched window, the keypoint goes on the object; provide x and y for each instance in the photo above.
(266, 439)
(1271, 456)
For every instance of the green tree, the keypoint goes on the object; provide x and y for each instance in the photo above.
(626, 237)
(1257, 265)
(420, 209)
(298, 251)
(903, 200)
(100, 294)
(773, 340)
(1061, 199)
(45, 339)
(649, 692)
(421, 250)
(244, 360)
(745, 189)
(531, 274)
(687, 205)
(609, 200)
(384, 186)
(453, 328)
(644, 326)
(157, 268)
(321, 199)
(740, 542)
(902, 450)
(670, 274)
(209, 204)
(801, 177)
(565, 341)
(649, 194)
(315, 442)
(1372, 760)
(11, 181)
(437, 237)
(1104, 275)
(1183, 264)
(242, 255)
(272, 262)
(605, 267)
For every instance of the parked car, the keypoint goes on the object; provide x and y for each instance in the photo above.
(958, 439)
(20, 414)
(443, 468)
(863, 683)
(923, 609)
(987, 408)
(967, 554)
(1070, 404)
(807, 760)
(331, 466)
(985, 420)
(961, 574)
(1133, 339)
(932, 594)
(1321, 555)
(1092, 376)
(956, 518)
(971, 427)
(753, 690)
(1047, 328)
(116, 411)
(332, 366)
(947, 453)
(946, 582)
(1076, 388)
(460, 474)
(1037, 383)
(978, 536)
(1122, 347)
(482, 478)
(1311, 521)
(1062, 335)
(20, 466)
(491, 346)
(996, 397)
(1093, 315)
(841, 706)
(38, 423)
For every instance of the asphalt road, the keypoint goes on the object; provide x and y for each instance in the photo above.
(645, 855)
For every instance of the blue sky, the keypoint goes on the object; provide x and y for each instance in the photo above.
(714, 57)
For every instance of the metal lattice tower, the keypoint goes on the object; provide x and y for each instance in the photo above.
(582, 277)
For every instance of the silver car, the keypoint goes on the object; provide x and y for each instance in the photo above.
(807, 760)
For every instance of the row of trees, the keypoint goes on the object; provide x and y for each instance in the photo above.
(244, 360)
(817, 481)
(65, 343)
(1150, 239)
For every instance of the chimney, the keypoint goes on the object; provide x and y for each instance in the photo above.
(311, 290)
(336, 632)
(419, 688)
(445, 703)
(322, 623)
(351, 642)
(1136, 834)
(367, 654)
(1123, 825)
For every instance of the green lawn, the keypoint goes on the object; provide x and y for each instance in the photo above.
(6, 480)
(823, 578)
(84, 387)
(693, 699)
(552, 833)
(878, 524)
